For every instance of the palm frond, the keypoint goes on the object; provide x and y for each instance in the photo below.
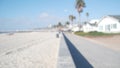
(79, 5)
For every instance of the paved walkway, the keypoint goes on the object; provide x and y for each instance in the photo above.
(87, 54)
(64, 57)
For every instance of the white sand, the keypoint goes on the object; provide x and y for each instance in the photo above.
(29, 50)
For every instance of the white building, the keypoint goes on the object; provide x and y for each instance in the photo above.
(91, 26)
(75, 28)
(109, 24)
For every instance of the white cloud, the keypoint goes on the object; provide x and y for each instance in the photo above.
(65, 10)
(46, 17)
(43, 15)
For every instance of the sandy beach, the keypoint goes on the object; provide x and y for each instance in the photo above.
(29, 50)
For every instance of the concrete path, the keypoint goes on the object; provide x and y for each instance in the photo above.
(64, 57)
(87, 54)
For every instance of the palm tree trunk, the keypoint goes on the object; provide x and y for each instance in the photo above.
(87, 19)
(79, 23)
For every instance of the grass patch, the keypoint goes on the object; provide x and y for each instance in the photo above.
(95, 34)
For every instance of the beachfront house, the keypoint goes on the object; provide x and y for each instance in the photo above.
(109, 24)
(75, 28)
(90, 26)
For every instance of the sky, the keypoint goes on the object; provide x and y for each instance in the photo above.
(29, 14)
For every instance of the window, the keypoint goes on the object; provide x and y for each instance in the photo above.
(114, 26)
(111, 26)
(101, 28)
(107, 28)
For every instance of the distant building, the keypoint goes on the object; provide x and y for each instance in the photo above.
(109, 24)
(75, 28)
(94, 21)
(50, 26)
(90, 26)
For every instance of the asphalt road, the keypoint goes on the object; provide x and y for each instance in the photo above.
(87, 54)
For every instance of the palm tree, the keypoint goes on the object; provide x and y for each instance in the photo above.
(67, 23)
(87, 15)
(80, 4)
(71, 18)
(59, 24)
